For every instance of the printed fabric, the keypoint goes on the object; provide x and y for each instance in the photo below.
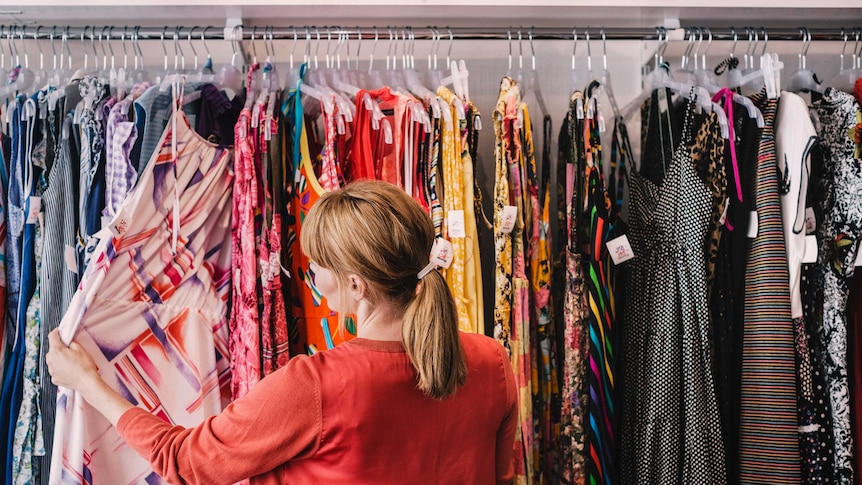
(151, 309)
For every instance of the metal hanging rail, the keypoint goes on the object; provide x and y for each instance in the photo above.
(301, 33)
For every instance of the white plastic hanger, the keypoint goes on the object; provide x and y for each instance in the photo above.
(846, 77)
(804, 79)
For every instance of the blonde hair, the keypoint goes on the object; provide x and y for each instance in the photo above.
(376, 231)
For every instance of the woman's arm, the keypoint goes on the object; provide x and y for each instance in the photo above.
(71, 367)
(278, 420)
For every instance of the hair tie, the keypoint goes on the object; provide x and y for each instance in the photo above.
(427, 269)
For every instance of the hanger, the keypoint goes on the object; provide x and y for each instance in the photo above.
(533, 80)
(685, 74)
(804, 80)
(704, 76)
(24, 78)
(659, 78)
(846, 77)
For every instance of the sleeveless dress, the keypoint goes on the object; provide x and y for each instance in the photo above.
(152, 311)
(670, 431)
(313, 326)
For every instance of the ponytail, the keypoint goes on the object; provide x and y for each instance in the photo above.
(430, 335)
(375, 230)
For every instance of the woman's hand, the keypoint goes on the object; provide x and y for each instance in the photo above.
(73, 368)
(70, 366)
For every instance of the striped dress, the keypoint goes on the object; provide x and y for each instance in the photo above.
(768, 441)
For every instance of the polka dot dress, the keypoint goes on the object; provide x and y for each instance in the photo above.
(670, 423)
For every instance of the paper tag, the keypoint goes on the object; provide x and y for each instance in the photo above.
(620, 249)
(442, 253)
(810, 255)
(858, 258)
(752, 224)
(34, 209)
(724, 213)
(120, 224)
(455, 222)
(810, 221)
(510, 216)
(71, 257)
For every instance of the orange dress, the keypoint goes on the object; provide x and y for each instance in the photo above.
(312, 325)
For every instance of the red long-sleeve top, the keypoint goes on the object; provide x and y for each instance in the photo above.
(352, 414)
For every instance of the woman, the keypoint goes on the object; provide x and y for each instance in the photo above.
(410, 400)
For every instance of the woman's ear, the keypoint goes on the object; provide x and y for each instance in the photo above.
(356, 287)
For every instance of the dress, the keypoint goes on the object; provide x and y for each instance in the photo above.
(794, 139)
(839, 235)
(575, 348)
(769, 432)
(670, 430)
(153, 314)
(312, 325)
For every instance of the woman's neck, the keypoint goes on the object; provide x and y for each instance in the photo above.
(379, 322)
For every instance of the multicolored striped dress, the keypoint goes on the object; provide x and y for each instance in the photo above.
(768, 438)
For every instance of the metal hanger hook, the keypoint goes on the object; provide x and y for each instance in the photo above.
(604, 49)
(574, 46)
(589, 51)
(510, 48)
(532, 50)
(164, 48)
(233, 44)
(451, 41)
(204, 41)
(735, 40)
(192, 45)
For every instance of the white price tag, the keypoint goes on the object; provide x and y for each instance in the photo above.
(752, 224)
(510, 216)
(455, 223)
(810, 221)
(620, 249)
(71, 257)
(34, 209)
(724, 213)
(442, 253)
(810, 255)
(858, 258)
(120, 224)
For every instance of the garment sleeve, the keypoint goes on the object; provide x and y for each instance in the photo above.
(506, 433)
(278, 420)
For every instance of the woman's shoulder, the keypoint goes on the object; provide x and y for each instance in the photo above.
(483, 348)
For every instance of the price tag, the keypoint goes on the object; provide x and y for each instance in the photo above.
(455, 222)
(120, 224)
(810, 221)
(810, 255)
(858, 258)
(724, 213)
(70, 255)
(620, 249)
(442, 253)
(752, 224)
(510, 216)
(34, 209)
